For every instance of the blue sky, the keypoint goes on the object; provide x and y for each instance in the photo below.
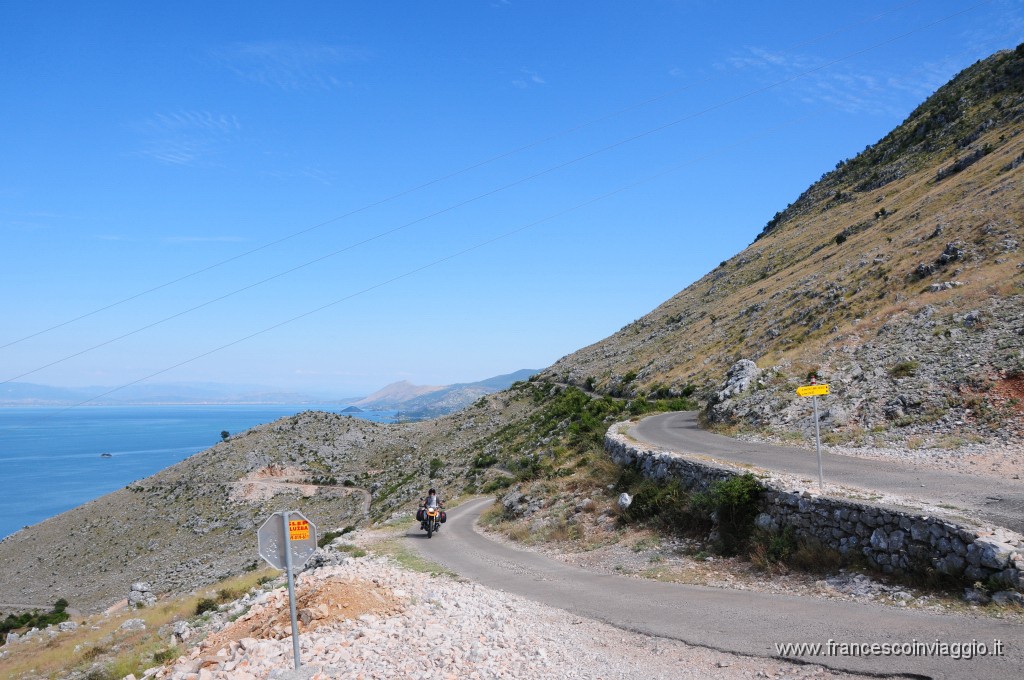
(346, 194)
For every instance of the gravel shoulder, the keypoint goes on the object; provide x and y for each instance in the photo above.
(442, 627)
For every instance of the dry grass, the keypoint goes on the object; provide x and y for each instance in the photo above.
(840, 288)
(397, 548)
(492, 515)
(684, 575)
(97, 636)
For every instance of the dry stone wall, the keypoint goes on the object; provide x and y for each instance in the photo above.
(893, 541)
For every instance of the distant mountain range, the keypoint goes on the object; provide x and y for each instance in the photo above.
(415, 401)
(420, 401)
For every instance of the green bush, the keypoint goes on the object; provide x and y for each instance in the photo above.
(206, 605)
(497, 484)
(169, 654)
(229, 594)
(667, 503)
(769, 550)
(729, 506)
(531, 467)
(735, 502)
(904, 369)
(327, 538)
(34, 619)
(484, 460)
(664, 504)
(435, 466)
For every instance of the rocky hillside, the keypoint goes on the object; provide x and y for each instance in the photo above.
(898, 278)
(196, 522)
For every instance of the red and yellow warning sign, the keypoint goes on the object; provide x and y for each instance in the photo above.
(298, 530)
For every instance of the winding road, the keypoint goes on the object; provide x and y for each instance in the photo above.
(995, 500)
(742, 622)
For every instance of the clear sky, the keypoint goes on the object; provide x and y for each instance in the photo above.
(337, 195)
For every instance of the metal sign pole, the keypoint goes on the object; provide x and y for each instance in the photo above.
(291, 587)
(817, 443)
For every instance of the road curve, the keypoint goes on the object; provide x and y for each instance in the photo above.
(995, 500)
(742, 622)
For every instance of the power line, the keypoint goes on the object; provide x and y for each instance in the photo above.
(523, 180)
(403, 193)
(435, 263)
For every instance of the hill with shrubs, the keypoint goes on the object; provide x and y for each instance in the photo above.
(897, 278)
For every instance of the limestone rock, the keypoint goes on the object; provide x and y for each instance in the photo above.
(133, 624)
(141, 595)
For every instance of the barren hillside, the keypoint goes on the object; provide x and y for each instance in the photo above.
(898, 274)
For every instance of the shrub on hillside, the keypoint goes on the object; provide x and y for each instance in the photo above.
(728, 506)
(904, 369)
(34, 619)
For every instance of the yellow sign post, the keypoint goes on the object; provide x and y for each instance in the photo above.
(814, 391)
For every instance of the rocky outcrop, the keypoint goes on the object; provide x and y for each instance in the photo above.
(738, 380)
(934, 375)
(893, 541)
(518, 504)
(141, 595)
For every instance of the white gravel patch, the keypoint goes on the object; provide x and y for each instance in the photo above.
(451, 629)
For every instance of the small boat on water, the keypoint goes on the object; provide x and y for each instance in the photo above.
(106, 455)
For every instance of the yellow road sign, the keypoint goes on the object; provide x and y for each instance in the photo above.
(811, 390)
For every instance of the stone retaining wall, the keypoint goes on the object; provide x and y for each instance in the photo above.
(894, 541)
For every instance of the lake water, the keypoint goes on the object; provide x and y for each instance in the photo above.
(50, 459)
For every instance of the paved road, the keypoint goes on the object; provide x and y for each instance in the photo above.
(995, 500)
(735, 621)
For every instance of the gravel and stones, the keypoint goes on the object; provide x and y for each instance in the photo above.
(438, 627)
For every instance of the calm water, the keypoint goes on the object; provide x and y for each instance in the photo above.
(50, 459)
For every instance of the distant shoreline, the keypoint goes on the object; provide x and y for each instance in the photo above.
(54, 456)
(70, 404)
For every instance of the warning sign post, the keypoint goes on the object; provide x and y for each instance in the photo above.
(292, 528)
(286, 541)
